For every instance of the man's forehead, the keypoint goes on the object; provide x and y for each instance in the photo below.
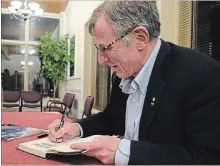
(103, 30)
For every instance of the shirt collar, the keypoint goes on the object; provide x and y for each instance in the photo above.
(128, 85)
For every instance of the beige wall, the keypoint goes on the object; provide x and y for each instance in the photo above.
(170, 20)
(74, 20)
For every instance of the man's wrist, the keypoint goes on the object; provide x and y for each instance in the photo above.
(79, 130)
(122, 154)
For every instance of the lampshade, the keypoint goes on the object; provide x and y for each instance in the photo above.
(12, 9)
(39, 12)
(25, 11)
(34, 6)
(16, 4)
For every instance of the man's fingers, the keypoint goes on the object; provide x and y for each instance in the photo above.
(50, 136)
(55, 131)
(52, 127)
(59, 140)
(60, 133)
(92, 153)
(83, 146)
(86, 145)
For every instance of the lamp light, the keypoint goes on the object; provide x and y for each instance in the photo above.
(30, 51)
(29, 63)
(25, 11)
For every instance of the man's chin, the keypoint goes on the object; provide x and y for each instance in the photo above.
(121, 75)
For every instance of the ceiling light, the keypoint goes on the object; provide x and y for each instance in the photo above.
(22, 63)
(25, 11)
(29, 63)
(23, 51)
(16, 4)
(30, 51)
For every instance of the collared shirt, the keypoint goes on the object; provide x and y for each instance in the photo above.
(136, 88)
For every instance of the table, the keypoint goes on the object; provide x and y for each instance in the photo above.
(12, 156)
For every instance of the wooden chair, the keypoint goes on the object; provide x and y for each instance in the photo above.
(63, 106)
(87, 108)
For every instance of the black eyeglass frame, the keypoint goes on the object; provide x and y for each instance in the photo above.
(103, 49)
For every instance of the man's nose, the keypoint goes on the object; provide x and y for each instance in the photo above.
(102, 57)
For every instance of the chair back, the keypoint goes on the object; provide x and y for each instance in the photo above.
(31, 96)
(65, 97)
(11, 96)
(88, 106)
(69, 101)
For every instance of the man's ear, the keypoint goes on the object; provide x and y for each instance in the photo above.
(142, 37)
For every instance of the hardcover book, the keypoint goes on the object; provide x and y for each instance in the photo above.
(11, 132)
(44, 147)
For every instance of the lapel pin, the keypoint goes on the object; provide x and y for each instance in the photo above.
(153, 99)
(152, 102)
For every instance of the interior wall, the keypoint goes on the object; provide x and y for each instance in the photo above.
(169, 17)
(75, 17)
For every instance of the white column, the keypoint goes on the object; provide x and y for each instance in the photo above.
(26, 56)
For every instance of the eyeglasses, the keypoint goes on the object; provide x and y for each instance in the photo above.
(108, 47)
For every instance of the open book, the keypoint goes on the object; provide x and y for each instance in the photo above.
(44, 147)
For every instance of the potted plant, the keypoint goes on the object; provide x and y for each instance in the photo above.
(54, 58)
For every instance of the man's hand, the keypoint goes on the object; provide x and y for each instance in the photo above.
(103, 148)
(69, 130)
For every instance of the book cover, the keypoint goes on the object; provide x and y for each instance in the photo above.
(44, 147)
(11, 132)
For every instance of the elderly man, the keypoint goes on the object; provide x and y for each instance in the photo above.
(165, 100)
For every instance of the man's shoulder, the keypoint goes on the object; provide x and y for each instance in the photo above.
(190, 57)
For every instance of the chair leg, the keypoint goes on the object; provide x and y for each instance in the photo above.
(20, 108)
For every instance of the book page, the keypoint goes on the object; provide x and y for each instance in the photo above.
(46, 146)
(65, 146)
(40, 145)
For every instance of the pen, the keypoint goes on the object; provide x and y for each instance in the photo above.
(61, 123)
(42, 135)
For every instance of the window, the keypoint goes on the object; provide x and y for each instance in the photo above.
(206, 36)
(70, 70)
(199, 26)
(12, 67)
(12, 29)
(185, 23)
(35, 80)
(21, 64)
(38, 28)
